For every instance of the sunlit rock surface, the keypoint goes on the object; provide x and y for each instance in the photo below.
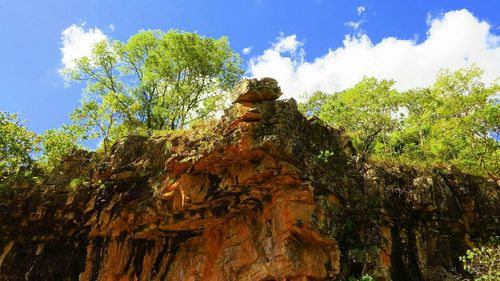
(264, 194)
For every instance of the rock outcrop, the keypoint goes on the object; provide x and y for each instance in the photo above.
(264, 194)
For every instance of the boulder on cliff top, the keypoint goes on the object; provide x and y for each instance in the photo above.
(254, 90)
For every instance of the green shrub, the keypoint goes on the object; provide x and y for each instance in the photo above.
(325, 155)
(483, 262)
(76, 183)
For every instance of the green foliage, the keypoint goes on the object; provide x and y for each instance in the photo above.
(365, 277)
(99, 119)
(483, 262)
(455, 121)
(154, 81)
(17, 144)
(314, 104)
(21, 178)
(58, 143)
(367, 112)
(76, 183)
(325, 155)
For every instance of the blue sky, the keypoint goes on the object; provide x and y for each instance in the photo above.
(307, 45)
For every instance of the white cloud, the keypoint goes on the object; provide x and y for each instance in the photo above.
(457, 39)
(288, 44)
(354, 24)
(360, 10)
(111, 27)
(247, 50)
(78, 42)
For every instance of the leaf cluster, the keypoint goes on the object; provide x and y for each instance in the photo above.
(56, 144)
(454, 121)
(483, 262)
(16, 144)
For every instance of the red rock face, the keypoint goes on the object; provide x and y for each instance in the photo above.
(250, 198)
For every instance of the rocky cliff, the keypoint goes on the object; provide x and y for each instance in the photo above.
(264, 194)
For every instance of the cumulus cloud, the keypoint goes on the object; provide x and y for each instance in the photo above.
(78, 42)
(247, 50)
(455, 40)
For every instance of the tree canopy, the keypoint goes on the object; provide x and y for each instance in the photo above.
(55, 144)
(366, 111)
(16, 144)
(455, 121)
(154, 81)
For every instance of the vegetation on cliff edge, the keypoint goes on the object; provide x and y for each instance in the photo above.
(454, 121)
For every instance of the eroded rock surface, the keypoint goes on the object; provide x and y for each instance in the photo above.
(264, 194)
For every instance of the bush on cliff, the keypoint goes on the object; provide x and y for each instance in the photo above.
(483, 262)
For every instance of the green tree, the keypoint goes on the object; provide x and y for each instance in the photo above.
(58, 143)
(99, 119)
(454, 121)
(314, 104)
(368, 112)
(17, 144)
(468, 114)
(419, 106)
(154, 81)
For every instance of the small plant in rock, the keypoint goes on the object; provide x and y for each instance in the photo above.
(483, 262)
(325, 155)
(167, 148)
(76, 183)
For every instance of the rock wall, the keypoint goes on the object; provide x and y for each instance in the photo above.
(264, 194)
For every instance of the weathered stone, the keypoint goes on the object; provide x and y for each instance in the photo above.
(254, 90)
